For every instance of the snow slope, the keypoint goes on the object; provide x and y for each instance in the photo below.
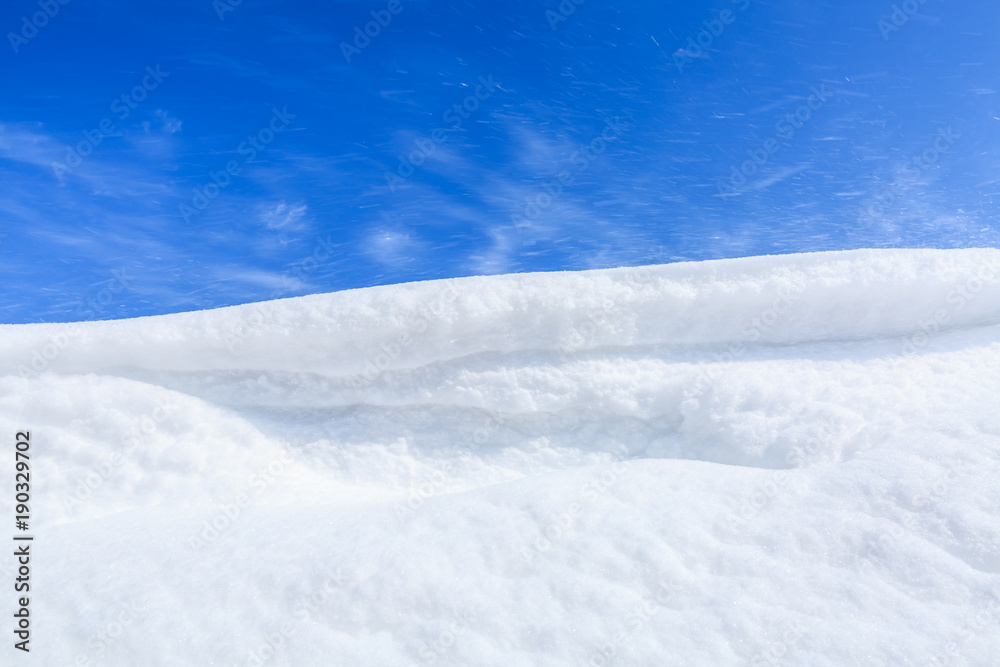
(773, 460)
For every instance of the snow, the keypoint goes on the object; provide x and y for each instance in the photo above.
(765, 461)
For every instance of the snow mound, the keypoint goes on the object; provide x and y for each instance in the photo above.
(771, 460)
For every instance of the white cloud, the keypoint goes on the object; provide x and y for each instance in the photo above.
(168, 124)
(282, 216)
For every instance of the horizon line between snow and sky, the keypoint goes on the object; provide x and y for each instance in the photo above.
(314, 148)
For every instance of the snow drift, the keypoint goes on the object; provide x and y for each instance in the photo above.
(771, 460)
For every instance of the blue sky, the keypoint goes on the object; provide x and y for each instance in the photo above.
(164, 157)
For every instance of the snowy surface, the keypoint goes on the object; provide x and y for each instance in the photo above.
(774, 460)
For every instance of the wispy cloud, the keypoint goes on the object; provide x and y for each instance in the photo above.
(282, 216)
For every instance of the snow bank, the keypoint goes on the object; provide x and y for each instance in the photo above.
(836, 296)
(772, 460)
